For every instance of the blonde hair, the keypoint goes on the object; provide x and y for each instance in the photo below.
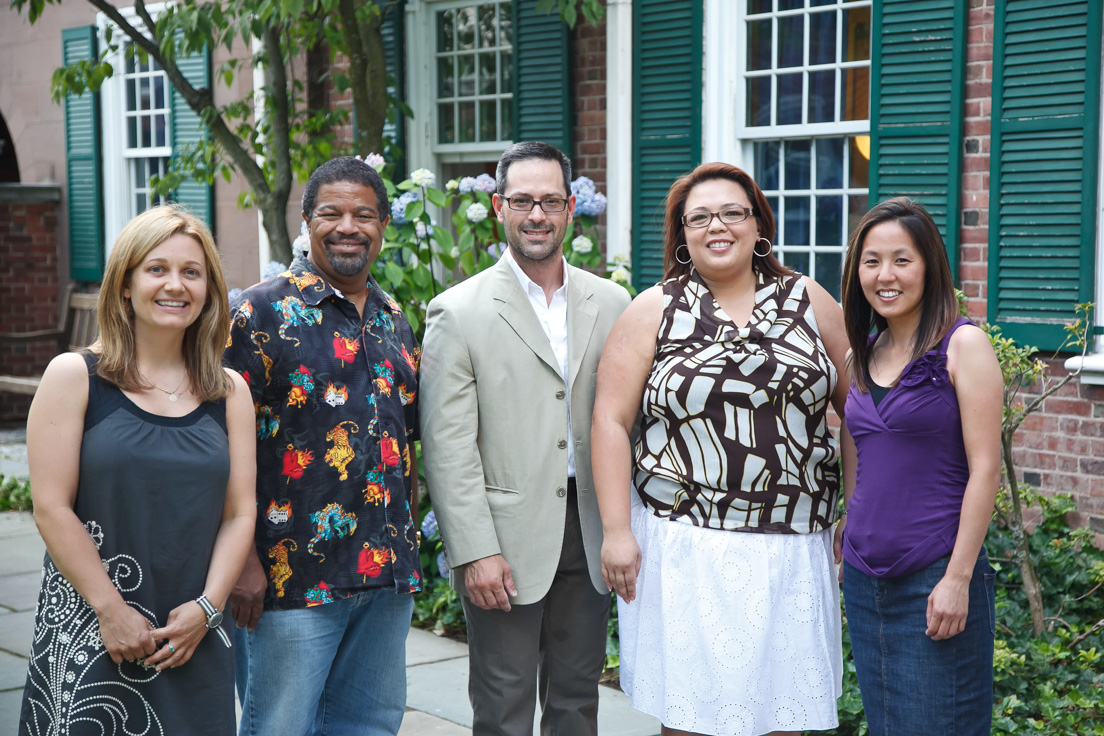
(204, 340)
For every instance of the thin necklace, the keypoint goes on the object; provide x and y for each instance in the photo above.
(171, 394)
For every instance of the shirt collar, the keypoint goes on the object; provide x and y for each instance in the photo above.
(527, 284)
(314, 288)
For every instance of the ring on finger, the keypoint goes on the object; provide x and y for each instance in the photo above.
(172, 649)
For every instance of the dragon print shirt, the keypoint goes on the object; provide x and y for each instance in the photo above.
(335, 399)
(735, 434)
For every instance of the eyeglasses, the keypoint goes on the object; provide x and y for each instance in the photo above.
(729, 216)
(548, 204)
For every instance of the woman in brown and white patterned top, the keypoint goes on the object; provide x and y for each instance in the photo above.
(722, 557)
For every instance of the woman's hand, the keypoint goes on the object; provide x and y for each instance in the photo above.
(621, 563)
(948, 606)
(126, 633)
(837, 545)
(179, 637)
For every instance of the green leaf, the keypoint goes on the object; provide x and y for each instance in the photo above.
(466, 240)
(444, 238)
(435, 196)
(414, 210)
(393, 272)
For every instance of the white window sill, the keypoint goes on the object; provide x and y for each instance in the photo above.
(1092, 368)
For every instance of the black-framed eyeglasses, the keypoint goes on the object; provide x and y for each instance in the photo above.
(729, 216)
(548, 204)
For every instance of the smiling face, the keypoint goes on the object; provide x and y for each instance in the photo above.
(168, 289)
(535, 235)
(346, 233)
(719, 250)
(891, 272)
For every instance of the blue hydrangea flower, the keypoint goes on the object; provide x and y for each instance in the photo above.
(274, 268)
(588, 200)
(429, 524)
(398, 206)
(485, 183)
(233, 295)
(497, 249)
(442, 566)
(467, 184)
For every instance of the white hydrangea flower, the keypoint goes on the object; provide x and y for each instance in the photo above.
(374, 160)
(476, 213)
(455, 252)
(620, 275)
(452, 185)
(582, 244)
(421, 229)
(621, 260)
(422, 177)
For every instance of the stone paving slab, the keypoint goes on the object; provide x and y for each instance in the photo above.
(19, 592)
(416, 723)
(10, 700)
(13, 673)
(16, 631)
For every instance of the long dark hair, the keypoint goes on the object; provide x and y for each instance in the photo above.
(673, 231)
(939, 306)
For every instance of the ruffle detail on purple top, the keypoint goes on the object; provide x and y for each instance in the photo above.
(929, 366)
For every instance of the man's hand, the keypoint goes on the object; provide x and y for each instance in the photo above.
(488, 581)
(247, 597)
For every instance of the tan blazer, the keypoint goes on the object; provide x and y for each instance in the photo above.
(494, 424)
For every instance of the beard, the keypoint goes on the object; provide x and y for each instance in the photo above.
(348, 264)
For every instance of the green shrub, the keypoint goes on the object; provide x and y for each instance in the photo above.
(15, 494)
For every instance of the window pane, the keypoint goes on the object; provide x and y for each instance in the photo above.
(131, 94)
(506, 119)
(446, 23)
(790, 4)
(465, 75)
(159, 131)
(144, 93)
(766, 164)
(789, 99)
(797, 261)
(828, 272)
(759, 44)
(822, 38)
(797, 165)
(758, 6)
(465, 28)
(856, 208)
(505, 24)
(132, 132)
(859, 162)
(829, 163)
(856, 34)
(446, 123)
(822, 96)
(505, 71)
(159, 92)
(856, 97)
(818, 3)
(466, 124)
(791, 41)
(829, 220)
(446, 77)
(796, 221)
(759, 101)
(487, 74)
(146, 136)
(488, 118)
(773, 202)
(487, 30)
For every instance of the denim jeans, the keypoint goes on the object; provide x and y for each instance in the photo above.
(337, 669)
(911, 684)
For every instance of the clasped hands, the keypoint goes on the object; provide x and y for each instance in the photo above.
(128, 635)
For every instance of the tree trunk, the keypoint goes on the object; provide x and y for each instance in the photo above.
(367, 74)
(274, 219)
(1031, 585)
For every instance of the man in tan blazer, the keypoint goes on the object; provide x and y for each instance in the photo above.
(507, 389)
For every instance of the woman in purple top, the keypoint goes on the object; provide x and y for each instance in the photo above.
(923, 421)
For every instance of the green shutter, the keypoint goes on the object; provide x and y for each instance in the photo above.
(542, 77)
(916, 108)
(667, 102)
(187, 128)
(84, 190)
(392, 30)
(1043, 165)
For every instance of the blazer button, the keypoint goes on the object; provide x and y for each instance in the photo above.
(562, 444)
(561, 491)
(560, 394)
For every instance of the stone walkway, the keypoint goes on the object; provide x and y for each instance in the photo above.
(436, 668)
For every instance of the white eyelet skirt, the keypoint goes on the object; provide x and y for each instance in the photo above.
(732, 633)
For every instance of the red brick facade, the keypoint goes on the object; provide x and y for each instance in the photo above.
(1061, 448)
(28, 284)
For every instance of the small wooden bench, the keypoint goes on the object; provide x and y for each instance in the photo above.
(78, 330)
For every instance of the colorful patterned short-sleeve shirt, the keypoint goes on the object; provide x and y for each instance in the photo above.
(334, 395)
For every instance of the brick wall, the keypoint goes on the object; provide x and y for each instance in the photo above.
(28, 283)
(1060, 449)
(589, 132)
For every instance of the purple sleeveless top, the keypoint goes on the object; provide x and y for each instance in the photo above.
(911, 472)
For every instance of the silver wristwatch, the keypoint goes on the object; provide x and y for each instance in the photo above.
(214, 618)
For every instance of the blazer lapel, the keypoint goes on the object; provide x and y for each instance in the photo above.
(582, 314)
(518, 313)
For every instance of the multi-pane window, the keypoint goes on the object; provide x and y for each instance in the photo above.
(474, 63)
(806, 91)
(147, 147)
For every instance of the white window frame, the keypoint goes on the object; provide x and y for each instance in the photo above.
(728, 138)
(117, 168)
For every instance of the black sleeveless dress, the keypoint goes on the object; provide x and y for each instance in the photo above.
(150, 494)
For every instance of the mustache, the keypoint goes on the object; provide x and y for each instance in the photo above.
(336, 239)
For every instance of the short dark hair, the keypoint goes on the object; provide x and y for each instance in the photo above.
(350, 169)
(939, 305)
(526, 150)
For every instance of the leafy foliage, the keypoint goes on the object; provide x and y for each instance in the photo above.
(15, 494)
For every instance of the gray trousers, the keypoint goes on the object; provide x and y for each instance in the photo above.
(555, 648)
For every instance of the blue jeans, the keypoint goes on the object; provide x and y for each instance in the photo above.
(337, 669)
(909, 683)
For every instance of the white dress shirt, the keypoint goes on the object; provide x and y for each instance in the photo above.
(552, 316)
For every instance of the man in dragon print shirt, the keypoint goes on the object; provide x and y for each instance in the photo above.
(324, 605)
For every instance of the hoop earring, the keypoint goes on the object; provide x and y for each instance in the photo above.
(688, 260)
(770, 247)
